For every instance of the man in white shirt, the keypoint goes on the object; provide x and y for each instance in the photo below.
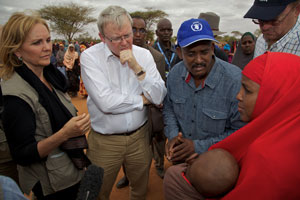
(121, 79)
(279, 23)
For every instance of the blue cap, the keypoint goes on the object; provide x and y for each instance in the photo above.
(194, 30)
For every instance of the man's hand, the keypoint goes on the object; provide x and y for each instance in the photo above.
(127, 56)
(179, 149)
(145, 100)
(169, 147)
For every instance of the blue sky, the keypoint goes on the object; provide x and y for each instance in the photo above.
(230, 11)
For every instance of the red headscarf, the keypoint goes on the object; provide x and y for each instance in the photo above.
(268, 148)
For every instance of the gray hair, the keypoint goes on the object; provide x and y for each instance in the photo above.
(112, 14)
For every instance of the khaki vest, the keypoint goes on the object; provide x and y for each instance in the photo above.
(57, 172)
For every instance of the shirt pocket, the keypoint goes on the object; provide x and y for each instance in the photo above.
(179, 106)
(214, 121)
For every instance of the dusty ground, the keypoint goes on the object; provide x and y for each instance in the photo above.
(155, 188)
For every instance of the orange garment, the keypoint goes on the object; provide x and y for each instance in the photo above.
(82, 89)
(268, 148)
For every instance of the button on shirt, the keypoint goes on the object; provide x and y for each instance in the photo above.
(289, 43)
(115, 103)
(206, 114)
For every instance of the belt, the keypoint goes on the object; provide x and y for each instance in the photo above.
(130, 132)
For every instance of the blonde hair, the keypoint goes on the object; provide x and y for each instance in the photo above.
(112, 14)
(14, 33)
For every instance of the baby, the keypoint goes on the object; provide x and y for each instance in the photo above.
(213, 173)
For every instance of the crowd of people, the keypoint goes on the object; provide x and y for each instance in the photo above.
(66, 57)
(227, 122)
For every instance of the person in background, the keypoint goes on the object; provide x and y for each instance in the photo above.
(121, 80)
(279, 23)
(200, 104)
(82, 89)
(66, 45)
(164, 44)
(77, 47)
(60, 60)
(157, 138)
(245, 50)
(44, 135)
(53, 60)
(55, 48)
(71, 62)
(214, 20)
(227, 50)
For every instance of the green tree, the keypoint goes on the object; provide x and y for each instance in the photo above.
(67, 19)
(86, 37)
(151, 18)
(237, 33)
(227, 39)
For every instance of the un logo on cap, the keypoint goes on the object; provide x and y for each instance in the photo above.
(196, 26)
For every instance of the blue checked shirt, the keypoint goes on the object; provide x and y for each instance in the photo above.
(289, 43)
(206, 114)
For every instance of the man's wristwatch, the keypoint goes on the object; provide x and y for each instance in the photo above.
(140, 73)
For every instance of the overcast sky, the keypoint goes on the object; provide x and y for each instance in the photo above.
(230, 11)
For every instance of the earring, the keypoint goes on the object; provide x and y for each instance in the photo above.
(20, 60)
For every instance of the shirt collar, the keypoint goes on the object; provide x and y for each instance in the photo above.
(212, 78)
(107, 52)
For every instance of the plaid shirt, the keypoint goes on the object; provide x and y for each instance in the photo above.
(289, 43)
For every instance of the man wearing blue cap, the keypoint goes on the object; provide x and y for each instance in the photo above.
(279, 23)
(200, 108)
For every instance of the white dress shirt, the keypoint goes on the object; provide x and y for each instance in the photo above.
(114, 99)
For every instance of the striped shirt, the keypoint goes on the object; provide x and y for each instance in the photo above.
(289, 43)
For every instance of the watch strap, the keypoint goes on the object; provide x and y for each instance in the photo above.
(140, 73)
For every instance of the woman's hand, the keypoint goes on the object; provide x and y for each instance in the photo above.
(77, 126)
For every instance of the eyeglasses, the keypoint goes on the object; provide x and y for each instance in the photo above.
(120, 38)
(140, 30)
(274, 22)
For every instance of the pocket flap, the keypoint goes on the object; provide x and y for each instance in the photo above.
(177, 99)
(213, 114)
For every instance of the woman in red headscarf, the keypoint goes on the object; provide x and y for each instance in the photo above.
(268, 148)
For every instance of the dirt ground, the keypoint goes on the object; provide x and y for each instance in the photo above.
(155, 186)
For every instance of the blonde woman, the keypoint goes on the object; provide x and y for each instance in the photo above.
(39, 119)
